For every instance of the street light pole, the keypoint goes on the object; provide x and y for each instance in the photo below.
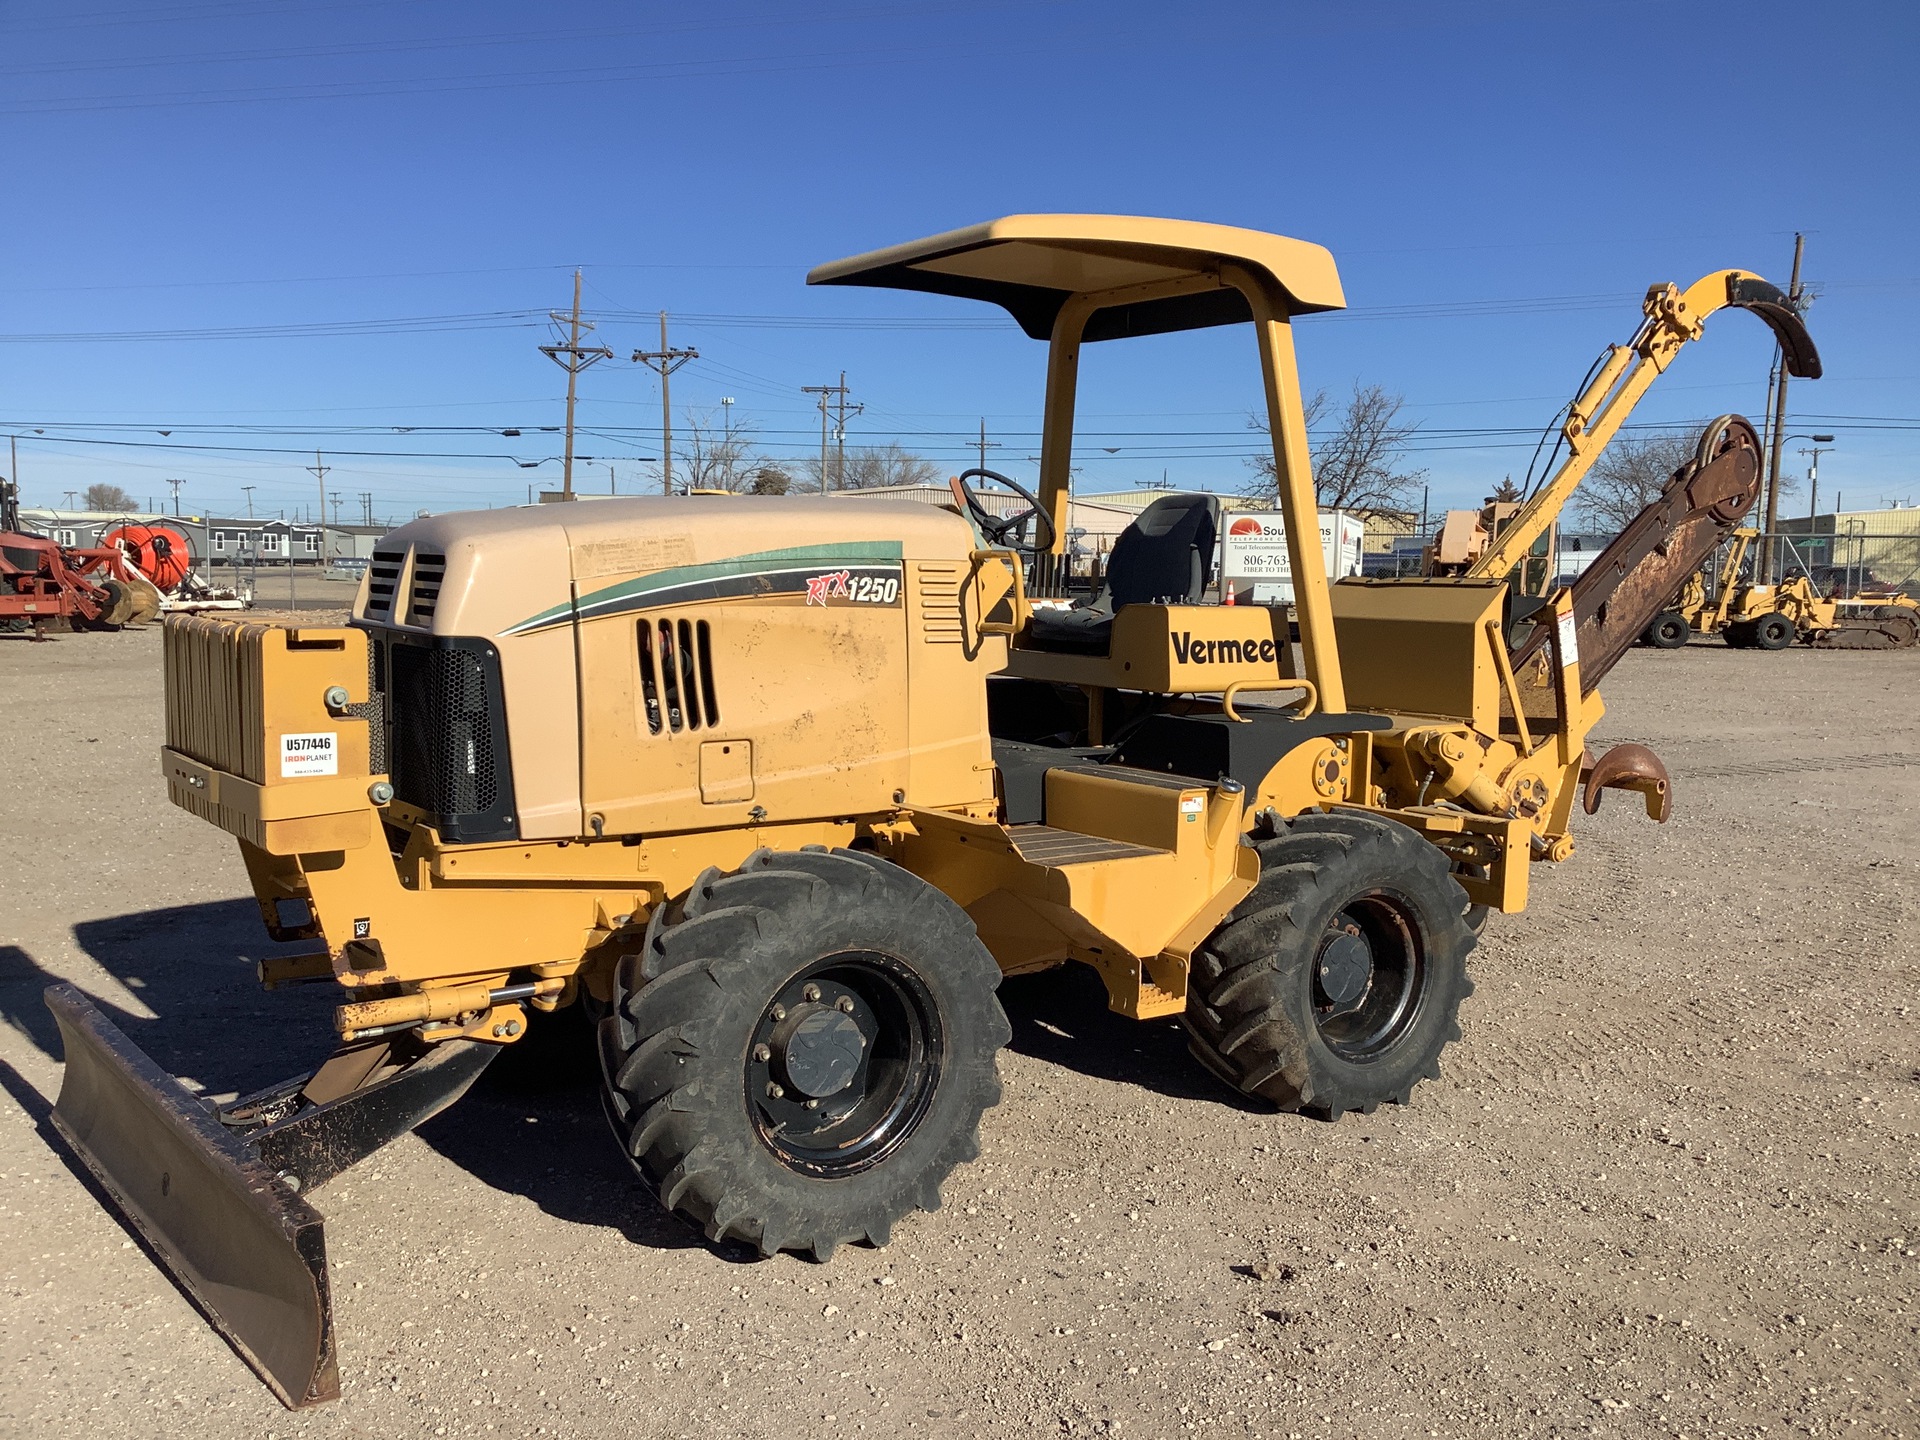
(1821, 444)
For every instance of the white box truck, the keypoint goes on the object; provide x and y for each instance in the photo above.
(1253, 553)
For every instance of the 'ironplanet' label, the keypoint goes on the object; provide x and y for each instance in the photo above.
(304, 755)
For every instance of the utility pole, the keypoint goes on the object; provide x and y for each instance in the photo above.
(249, 490)
(176, 484)
(841, 410)
(613, 487)
(984, 444)
(366, 507)
(572, 357)
(72, 493)
(1794, 299)
(665, 360)
(726, 438)
(319, 473)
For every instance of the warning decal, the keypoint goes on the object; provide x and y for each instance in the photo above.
(316, 754)
(1569, 640)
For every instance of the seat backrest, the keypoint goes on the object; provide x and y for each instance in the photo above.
(1165, 554)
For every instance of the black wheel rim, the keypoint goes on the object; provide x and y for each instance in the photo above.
(1369, 977)
(843, 1063)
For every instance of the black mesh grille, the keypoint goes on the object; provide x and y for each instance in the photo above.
(449, 737)
(374, 711)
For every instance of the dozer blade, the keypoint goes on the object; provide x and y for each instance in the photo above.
(219, 1195)
(249, 1251)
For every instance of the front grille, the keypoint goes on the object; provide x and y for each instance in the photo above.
(383, 577)
(428, 572)
(446, 741)
(676, 676)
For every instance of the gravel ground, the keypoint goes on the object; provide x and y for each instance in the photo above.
(1666, 1187)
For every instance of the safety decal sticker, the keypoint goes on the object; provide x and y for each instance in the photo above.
(1569, 640)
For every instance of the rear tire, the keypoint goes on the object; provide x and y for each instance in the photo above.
(1669, 631)
(1285, 1005)
(1774, 631)
(817, 976)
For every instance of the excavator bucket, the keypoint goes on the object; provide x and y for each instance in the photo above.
(221, 1206)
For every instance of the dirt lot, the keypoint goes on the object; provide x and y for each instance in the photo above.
(1666, 1187)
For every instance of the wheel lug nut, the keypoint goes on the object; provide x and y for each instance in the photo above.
(812, 992)
(775, 1092)
(762, 1053)
(844, 1004)
(811, 1104)
(779, 1012)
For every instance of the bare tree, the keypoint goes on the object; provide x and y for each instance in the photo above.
(1356, 461)
(1628, 474)
(102, 496)
(1632, 470)
(716, 459)
(871, 466)
(769, 479)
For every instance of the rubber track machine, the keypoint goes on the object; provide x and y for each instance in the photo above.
(777, 790)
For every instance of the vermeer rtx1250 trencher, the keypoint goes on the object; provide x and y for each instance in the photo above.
(777, 790)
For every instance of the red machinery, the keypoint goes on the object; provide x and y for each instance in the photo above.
(159, 552)
(40, 580)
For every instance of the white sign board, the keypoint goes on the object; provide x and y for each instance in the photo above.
(312, 754)
(1253, 549)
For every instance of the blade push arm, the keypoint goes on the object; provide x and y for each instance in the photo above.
(1673, 317)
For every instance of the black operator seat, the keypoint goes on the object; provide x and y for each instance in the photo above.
(1162, 558)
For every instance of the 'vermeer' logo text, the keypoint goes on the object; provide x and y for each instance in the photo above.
(1189, 651)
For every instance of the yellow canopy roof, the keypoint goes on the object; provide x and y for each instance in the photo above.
(1032, 264)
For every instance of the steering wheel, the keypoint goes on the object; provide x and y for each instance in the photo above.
(1001, 531)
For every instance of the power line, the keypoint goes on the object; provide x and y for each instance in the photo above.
(526, 319)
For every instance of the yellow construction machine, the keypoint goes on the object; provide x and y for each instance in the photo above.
(1753, 616)
(777, 790)
(1464, 536)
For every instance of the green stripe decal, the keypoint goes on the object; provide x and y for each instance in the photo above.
(638, 593)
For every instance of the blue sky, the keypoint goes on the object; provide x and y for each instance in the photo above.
(1499, 183)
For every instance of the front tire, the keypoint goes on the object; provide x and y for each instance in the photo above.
(1336, 984)
(801, 1052)
(1668, 631)
(1774, 631)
